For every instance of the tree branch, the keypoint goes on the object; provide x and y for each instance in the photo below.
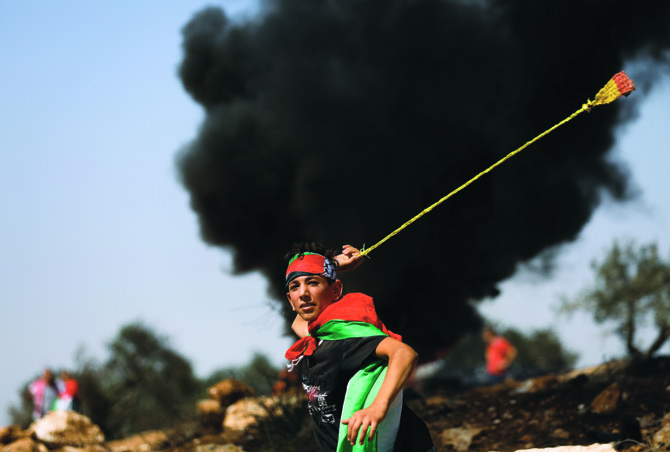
(630, 330)
(663, 336)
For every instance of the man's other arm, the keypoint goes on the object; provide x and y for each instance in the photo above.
(401, 363)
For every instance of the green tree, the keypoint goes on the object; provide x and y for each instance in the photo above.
(632, 286)
(260, 374)
(539, 352)
(150, 385)
(22, 415)
(94, 402)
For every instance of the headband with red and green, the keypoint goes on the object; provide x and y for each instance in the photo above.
(310, 264)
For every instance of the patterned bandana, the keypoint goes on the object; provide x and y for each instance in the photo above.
(310, 264)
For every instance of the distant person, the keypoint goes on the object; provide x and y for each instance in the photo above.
(45, 394)
(500, 354)
(68, 392)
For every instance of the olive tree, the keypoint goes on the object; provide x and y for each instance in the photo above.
(150, 384)
(632, 287)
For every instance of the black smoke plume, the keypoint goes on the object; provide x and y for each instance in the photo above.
(340, 120)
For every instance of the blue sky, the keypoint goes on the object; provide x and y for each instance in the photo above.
(96, 230)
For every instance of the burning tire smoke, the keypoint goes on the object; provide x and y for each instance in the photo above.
(340, 120)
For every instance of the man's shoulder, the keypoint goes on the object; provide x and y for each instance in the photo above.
(356, 297)
(352, 306)
(359, 301)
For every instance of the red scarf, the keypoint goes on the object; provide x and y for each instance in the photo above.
(354, 307)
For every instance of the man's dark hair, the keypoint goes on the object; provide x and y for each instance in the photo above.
(310, 247)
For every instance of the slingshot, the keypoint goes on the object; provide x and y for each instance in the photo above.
(619, 85)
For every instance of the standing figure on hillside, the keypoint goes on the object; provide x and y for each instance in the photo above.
(68, 392)
(500, 354)
(351, 366)
(45, 394)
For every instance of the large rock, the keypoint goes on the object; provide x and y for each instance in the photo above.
(591, 448)
(229, 391)
(246, 413)
(143, 442)
(210, 413)
(11, 433)
(661, 439)
(218, 448)
(607, 401)
(25, 445)
(96, 448)
(460, 438)
(66, 428)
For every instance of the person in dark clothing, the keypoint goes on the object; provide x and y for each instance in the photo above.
(351, 366)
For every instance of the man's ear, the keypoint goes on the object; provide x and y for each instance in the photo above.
(338, 288)
(288, 297)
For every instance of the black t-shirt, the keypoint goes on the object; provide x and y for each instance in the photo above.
(325, 375)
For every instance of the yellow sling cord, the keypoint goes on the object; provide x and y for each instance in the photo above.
(619, 85)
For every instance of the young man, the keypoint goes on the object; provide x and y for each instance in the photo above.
(351, 366)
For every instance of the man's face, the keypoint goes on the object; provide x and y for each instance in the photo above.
(310, 295)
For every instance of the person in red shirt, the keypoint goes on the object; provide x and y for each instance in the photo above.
(500, 354)
(68, 392)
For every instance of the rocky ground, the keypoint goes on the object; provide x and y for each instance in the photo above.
(624, 406)
(609, 403)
